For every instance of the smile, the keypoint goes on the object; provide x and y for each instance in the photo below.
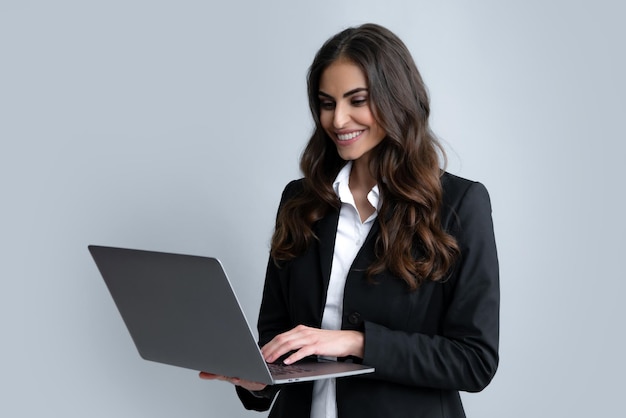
(348, 136)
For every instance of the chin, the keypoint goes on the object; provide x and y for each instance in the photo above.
(350, 156)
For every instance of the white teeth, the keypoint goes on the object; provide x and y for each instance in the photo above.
(346, 137)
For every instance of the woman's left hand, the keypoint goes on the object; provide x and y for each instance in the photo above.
(251, 386)
(307, 341)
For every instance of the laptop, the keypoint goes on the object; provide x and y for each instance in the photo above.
(181, 310)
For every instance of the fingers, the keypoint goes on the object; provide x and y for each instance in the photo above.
(295, 339)
(253, 386)
(300, 354)
(306, 341)
(211, 376)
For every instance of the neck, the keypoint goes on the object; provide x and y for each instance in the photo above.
(360, 176)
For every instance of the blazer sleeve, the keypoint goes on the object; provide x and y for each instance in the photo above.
(463, 354)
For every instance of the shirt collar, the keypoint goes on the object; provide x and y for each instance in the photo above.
(342, 189)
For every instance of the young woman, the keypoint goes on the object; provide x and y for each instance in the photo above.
(378, 255)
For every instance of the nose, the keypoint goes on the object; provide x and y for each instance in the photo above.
(341, 116)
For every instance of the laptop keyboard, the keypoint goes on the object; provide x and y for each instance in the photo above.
(277, 368)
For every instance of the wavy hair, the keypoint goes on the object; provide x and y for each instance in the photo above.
(412, 243)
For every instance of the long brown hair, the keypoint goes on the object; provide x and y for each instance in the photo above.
(411, 243)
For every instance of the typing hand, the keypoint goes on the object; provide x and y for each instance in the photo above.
(307, 341)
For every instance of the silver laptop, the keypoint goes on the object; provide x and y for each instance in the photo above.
(181, 310)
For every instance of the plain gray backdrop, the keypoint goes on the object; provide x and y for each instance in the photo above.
(174, 125)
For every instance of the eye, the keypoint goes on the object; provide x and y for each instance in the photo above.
(327, 105)
(359, 101)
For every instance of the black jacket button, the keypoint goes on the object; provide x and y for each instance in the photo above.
(354, 318)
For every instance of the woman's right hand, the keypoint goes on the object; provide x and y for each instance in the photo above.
(246, 384)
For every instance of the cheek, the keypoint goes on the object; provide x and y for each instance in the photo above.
(326, 120)
(380, 133)
(379, 129)
(365, 117)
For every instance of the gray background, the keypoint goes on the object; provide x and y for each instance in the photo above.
(174, 125)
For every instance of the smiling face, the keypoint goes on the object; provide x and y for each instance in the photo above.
(345, 111)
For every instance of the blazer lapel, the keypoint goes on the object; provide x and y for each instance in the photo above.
(327, 232)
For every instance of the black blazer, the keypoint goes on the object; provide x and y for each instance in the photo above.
(425, 345)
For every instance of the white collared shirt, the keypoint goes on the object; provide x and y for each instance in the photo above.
(351, 234)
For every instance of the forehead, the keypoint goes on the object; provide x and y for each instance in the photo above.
(342, 76)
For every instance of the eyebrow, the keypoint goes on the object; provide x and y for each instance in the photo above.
(346, 94)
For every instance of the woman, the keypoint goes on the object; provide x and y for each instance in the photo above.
(378, 255)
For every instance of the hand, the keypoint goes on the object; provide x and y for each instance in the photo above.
(246, 384)
(309, 341)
